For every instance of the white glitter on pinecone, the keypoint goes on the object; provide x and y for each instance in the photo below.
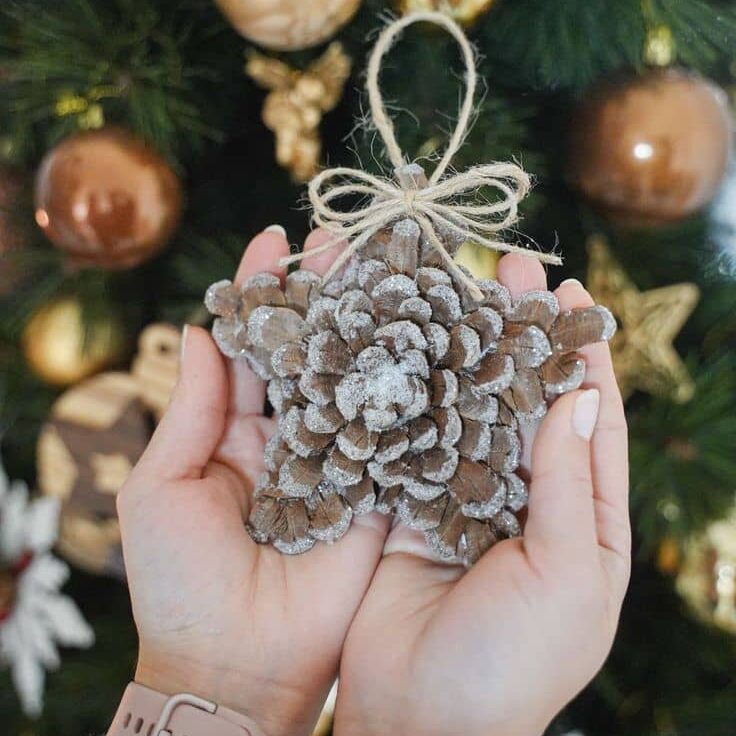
(395, 390)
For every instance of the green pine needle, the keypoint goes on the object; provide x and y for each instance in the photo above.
(683, 465)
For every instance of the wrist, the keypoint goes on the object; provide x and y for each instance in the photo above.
(170, 676)
(278, 711)
(145, 711)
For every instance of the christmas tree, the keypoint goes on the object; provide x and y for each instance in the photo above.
(142, 144)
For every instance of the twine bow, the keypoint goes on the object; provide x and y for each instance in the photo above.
(437, 204)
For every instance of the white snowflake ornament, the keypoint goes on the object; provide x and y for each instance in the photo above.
(35, 617)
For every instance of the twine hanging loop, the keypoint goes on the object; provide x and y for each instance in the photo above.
(438, 204)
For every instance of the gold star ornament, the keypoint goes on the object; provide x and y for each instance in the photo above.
(643, 355)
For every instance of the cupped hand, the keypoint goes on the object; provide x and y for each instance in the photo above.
(501, 648)
(218, 615)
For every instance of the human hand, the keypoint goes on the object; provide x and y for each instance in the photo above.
(501, 648)
(217, 614)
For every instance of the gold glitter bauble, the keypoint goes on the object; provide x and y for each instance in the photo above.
(707, 577)
(288, 25)
(643, 356)
(480, 261)
(463, 11)
(62, 350)
(652, 148)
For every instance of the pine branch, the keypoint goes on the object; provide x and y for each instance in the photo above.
(683, 469)
(549, 46)
(200, 262)
(148, 65)
(24, 403)
(553, 46)
(704, 32)
(664, 664)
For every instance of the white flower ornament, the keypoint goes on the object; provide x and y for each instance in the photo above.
(35, 617)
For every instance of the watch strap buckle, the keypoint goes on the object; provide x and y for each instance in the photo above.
(161, 727)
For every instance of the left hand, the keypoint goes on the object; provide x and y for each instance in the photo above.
(218, 615)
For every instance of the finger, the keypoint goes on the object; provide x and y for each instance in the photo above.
(363, 541)
(609, 445)
(561, 521)
(188, 433)
(320, 262)
(343, 571)
(521, 273)
(247, 391)
(404, 541)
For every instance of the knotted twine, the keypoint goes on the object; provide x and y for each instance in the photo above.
(448, 204)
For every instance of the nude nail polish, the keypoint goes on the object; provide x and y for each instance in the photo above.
(585, 413)
(277, 229)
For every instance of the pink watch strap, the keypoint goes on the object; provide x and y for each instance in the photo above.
(144, 712)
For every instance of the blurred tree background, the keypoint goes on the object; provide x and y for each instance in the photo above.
(143, 143)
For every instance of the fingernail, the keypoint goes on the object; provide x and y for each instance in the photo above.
(183, 343)
(585, 413)
(276, 229)
(572, 282)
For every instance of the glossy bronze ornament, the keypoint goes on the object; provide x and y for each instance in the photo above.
(651, 149)
(107, 199)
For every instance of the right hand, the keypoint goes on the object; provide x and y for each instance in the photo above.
(501, 648)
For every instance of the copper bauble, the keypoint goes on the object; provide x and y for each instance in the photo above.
(651, 149)
(61, 350)
(107, 199)
(288, 25)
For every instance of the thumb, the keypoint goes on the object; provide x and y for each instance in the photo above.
(189, 432)
(561, 511)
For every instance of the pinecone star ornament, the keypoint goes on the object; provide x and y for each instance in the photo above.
(395, 390)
